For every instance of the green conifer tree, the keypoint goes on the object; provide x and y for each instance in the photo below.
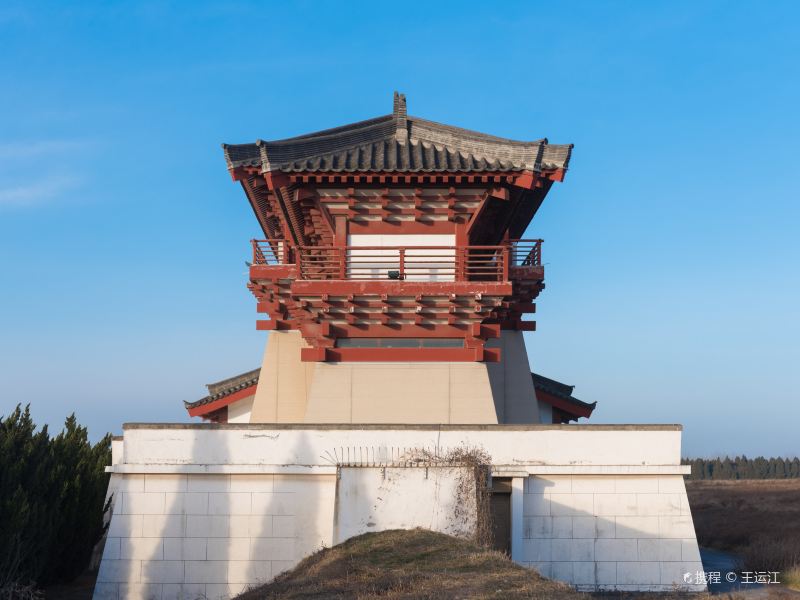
(51, 500)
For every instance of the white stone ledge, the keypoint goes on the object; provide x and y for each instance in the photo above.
(402, 427)
(512, 447)
(522, 471)
(497, 471)
(221, 469)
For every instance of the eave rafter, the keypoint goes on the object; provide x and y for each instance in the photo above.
(265, 207)
(526, 179)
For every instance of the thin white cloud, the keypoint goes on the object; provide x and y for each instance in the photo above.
(34, 172)
(48, 187)
(23, 150)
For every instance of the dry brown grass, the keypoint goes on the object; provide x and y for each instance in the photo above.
(757, 519)
(418, 564)
(791, 578)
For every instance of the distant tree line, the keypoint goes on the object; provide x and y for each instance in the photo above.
(742, 467)
(52, 492)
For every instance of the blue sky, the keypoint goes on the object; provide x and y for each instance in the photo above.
(671, 249)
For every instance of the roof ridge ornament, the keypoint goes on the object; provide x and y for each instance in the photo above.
(401, 117)
(266, 167)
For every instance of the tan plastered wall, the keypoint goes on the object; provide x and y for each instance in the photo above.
(511, 381)
(241, 410)
(282, 391)
(400, 393)
(291, 391)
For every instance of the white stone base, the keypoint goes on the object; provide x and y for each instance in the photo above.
(610, 532)
(206, 511)
(183, 535)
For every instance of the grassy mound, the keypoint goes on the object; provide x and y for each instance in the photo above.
(410, 564)
(421, 564)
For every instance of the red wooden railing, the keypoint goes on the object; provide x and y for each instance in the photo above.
(271, 252)
(411, 263)
(525, 253)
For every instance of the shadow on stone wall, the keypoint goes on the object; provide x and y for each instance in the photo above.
(222, 533)
(210, 535)
(628, 533)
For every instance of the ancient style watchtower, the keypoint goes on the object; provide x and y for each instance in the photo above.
(393, 267)
(396, 284)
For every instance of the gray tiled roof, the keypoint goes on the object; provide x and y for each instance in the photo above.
(226, 387)
(561, 390)
(398, 142)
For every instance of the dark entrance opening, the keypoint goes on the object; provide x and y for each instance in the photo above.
(500, 503)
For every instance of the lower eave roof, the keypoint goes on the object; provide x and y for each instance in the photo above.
(225, 388)
(232, 385)
(563, 392)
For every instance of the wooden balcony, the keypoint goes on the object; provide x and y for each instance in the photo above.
(513, 260)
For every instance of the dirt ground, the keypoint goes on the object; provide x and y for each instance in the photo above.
(730, 515)
(80, 589)
(758, 520)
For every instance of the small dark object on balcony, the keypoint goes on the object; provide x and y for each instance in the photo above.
(394, 274)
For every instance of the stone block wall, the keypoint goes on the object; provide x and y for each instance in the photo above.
(205, 511)
(188, 536)
(610, 532)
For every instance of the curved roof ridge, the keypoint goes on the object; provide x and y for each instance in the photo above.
(330, 149)
(474, 133)
(333, 131)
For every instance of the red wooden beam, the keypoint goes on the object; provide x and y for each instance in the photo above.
(518, 325)
(273, 325)
(526, 180)
(521, 307)
(400, 288)
(403, 176)
(404, 330)
(478, 212)
(276, 179)
(407, 227)
(273, 272)
(501, 193)
(399, 355)
(570, 408)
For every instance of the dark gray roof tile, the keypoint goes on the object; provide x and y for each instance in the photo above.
(226, 387)
(398, 143)
(558, 389)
